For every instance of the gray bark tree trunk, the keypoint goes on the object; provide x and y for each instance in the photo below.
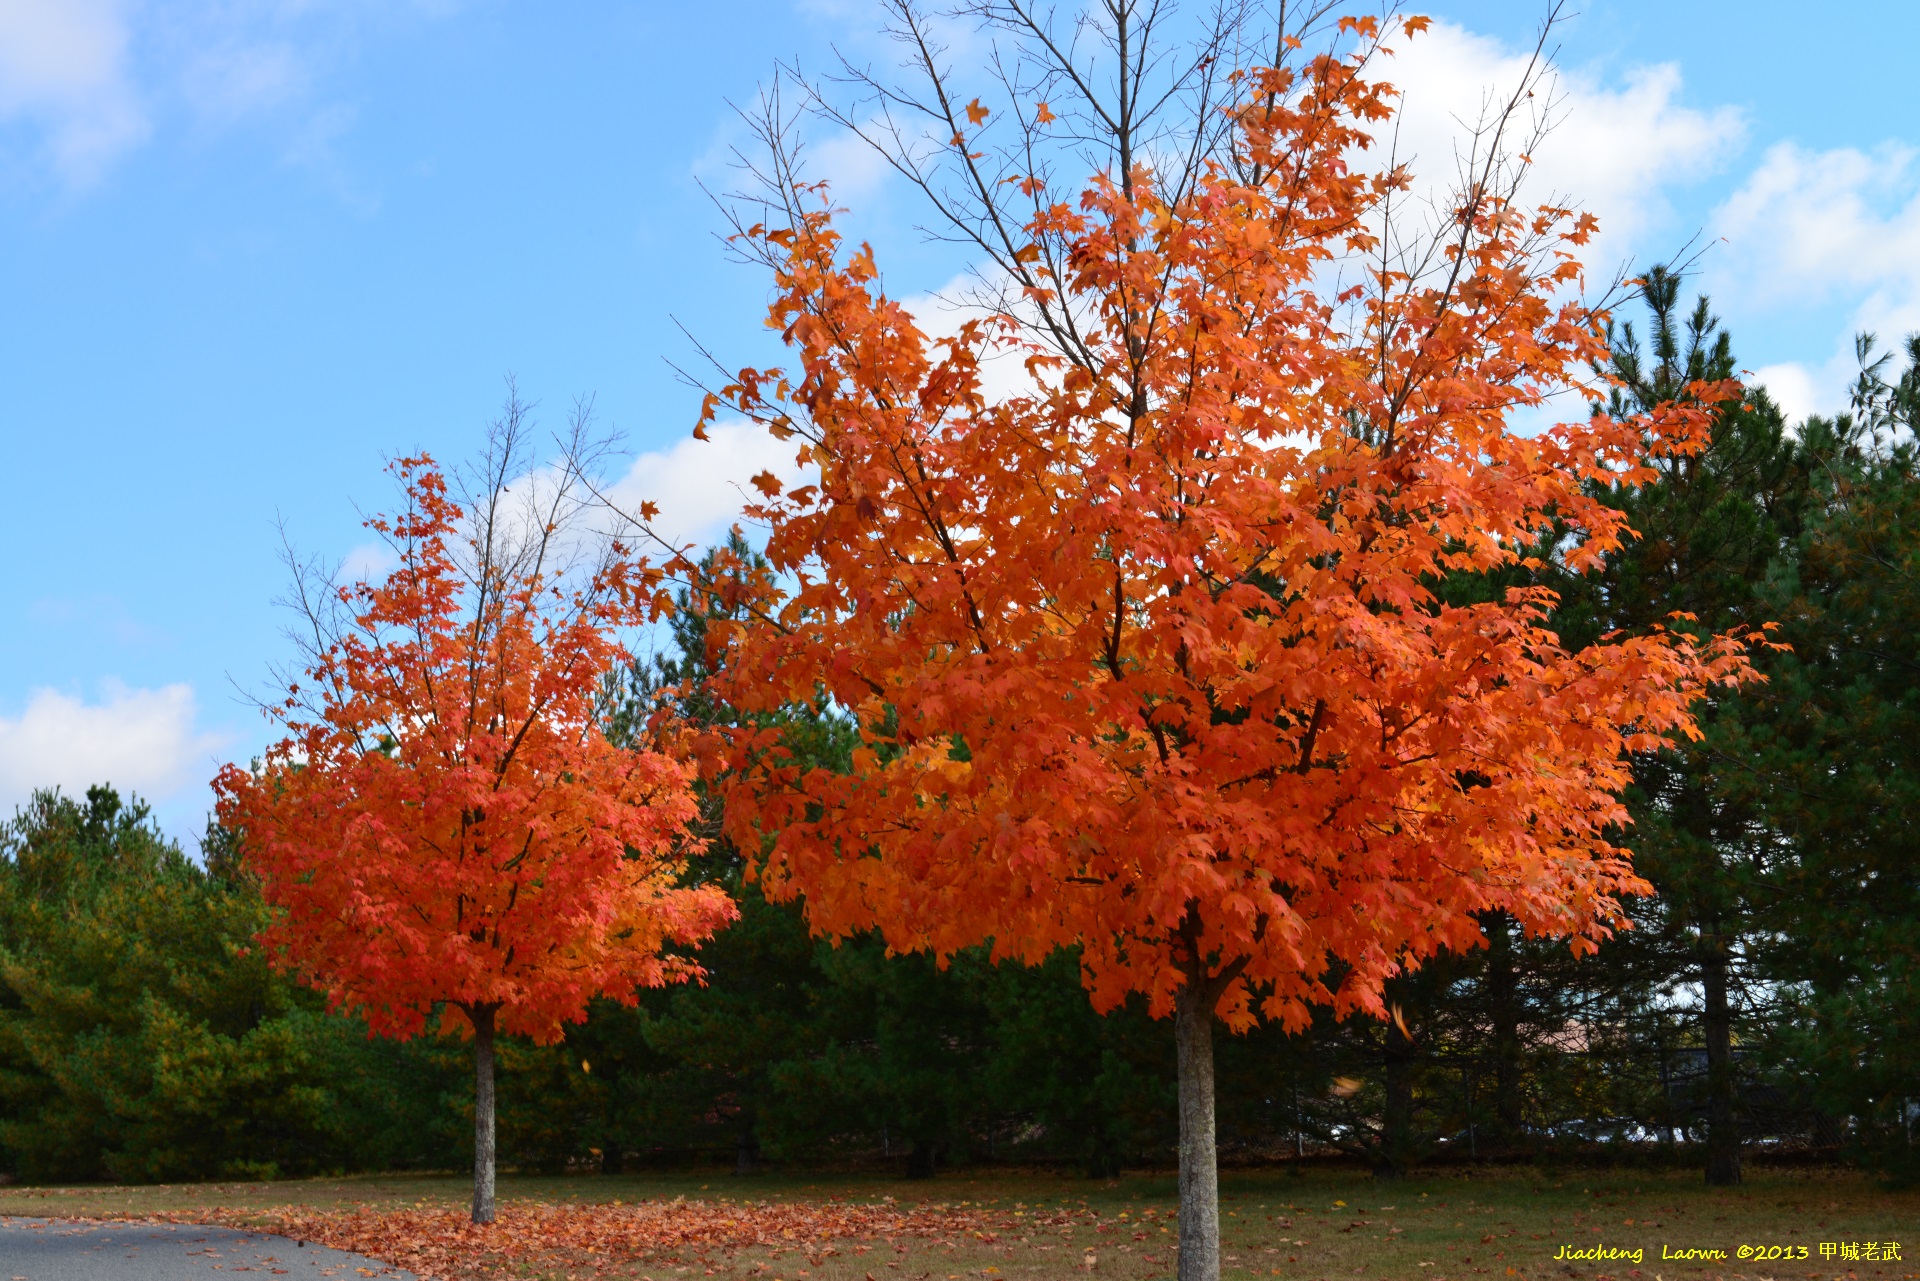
(1199, 1167)
(483, 1145)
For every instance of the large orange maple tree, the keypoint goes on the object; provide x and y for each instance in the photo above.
(444, 827)
(1149, 653)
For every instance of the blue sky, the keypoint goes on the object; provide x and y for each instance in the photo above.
(250, 248)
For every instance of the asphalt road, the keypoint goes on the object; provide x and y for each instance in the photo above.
(53, 1250)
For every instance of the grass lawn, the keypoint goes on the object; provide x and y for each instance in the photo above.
(1009, 1226)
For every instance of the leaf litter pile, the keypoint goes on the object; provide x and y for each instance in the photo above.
(677, 1238)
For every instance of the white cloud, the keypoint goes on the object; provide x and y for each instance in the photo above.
(1806, 225)
(367, 562)
(1811, 228)
(701, 485)
(1613, 146)
(853, 166)
(139, 740)
(88, 80)
(63, 67)
(1799, 390)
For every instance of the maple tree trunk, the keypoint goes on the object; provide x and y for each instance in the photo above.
(1199, 1168)
(482, 1016)
(1723, 1133)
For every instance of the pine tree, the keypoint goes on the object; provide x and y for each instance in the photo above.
(143, 1036)
(1836, 741)
(1711, 530)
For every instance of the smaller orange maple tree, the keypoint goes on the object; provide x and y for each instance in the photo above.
(445, 827)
